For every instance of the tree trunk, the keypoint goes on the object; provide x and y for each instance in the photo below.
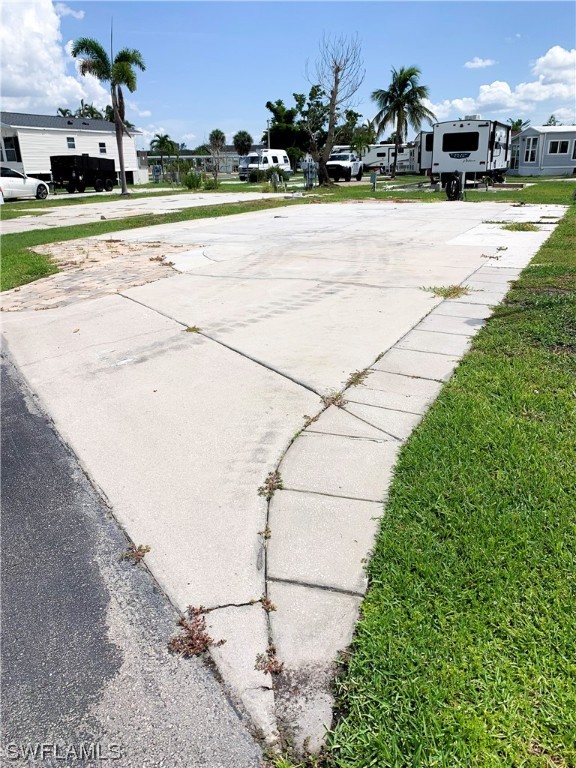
(119, 130)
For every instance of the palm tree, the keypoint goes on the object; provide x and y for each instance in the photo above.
(88, 110)
(242, 142)
(118, 72)
(162, 144)
(401, 104)
(518, 125)
(64, 112)
(216, 144)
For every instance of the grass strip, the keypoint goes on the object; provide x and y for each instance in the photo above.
(464, 655)
(20, 265)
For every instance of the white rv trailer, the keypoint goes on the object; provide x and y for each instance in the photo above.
(477, 148)
(261, 161)
(423, 152)
(380, 157)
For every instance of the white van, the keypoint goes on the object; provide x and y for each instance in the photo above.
(261, 161)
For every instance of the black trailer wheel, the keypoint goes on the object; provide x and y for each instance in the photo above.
(70, 187)
(108, 185)
(98, 185)
(336, 179)
(41, 192)
(359, 175)
(81, 186)
(453, 187)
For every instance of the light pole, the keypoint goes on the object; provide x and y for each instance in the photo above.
(268, 126)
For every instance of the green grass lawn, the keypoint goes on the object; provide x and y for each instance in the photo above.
(465, 652)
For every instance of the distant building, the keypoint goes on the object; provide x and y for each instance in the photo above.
(228, 160)
(544, 150)
(28, 141)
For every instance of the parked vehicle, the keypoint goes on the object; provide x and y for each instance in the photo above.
(344, 164)
(76, 172)
(249, 165)
(423, 152)
(380, 157)
(16, 184)
(474, 147)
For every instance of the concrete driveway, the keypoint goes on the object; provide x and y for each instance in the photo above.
(181, 397)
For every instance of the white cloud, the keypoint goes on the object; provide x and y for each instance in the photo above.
(555, 83)
(34, 64)
(135, 108)
(63, 10)
(188, 136)
(477, 63)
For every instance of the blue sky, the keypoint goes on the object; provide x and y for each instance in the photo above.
(215, 64)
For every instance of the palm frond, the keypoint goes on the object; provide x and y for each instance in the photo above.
(92, 51)
(130, 56)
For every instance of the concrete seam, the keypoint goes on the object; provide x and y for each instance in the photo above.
(322, 587)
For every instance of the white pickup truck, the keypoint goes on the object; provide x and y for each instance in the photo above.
(344, 164)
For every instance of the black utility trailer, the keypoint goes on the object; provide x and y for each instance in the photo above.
(76, 172)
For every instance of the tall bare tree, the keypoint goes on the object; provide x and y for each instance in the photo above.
(339, 73)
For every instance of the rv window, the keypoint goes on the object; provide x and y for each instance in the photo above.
(428, 142)
(71, 142)
(285, 159)
(264, 161)
(102, 147)
(460, 142)
(558, 148)
(381, 154)
(574, 152)
(274, 159)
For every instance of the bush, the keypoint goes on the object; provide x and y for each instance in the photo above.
(192, 180)
(210, 184)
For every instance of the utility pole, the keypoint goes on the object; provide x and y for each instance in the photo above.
(268, 126)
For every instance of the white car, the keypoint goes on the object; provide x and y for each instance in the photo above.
(15, 184)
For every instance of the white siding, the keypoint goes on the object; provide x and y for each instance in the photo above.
(38, 144)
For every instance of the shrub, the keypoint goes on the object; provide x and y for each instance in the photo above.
(192, 180)
(210, 184)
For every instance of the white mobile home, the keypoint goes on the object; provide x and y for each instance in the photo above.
(544, 150)
(28, 141)
(477, 148)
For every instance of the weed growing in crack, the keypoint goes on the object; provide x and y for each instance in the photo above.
(135, 554)
(521, 226)
(192, 329)
(272, 483)
(334, 398)
(266, 534)
(194, 640)
(357, 378)
(448, 291)
(310, 420)
(267, 604)
(267, 662)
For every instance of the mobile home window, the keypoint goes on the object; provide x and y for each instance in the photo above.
(102, 148)
(558, 148)
(574, 151)
(274, 159)
(71, 141)
(530, 151)
(12, 148)
(461, 142)
(428, 142)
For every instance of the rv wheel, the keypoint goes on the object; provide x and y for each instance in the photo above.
(109, 185)
(70, 187)
(98, 185)
(81, 187)
(336, 179)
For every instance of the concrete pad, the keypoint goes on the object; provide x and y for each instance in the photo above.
(465, 326)
(339, 466)
(480, 296)
(486, 275)
(245, 630)
(432, 341)
(336, 421)
(399, 424)
(309, 628)
(158, 418)
(320, 540)
(392, 391)
(425, 365)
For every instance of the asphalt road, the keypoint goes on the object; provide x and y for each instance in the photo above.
(85, 667)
